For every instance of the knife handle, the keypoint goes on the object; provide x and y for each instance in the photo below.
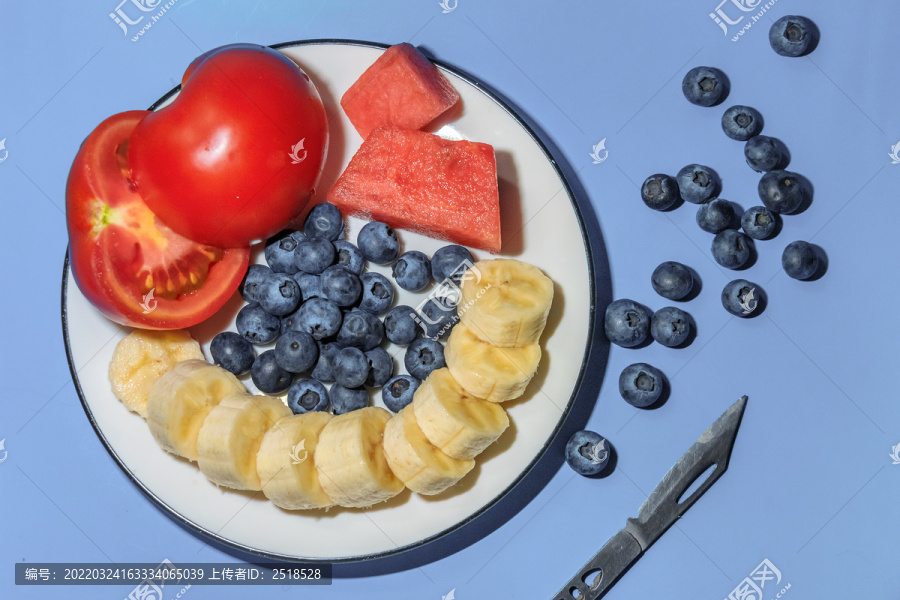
(613, 559)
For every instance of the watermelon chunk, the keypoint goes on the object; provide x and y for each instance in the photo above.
(420, 182)
(401, 88)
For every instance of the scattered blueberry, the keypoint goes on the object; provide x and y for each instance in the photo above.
(400, 325)
(340, 285)
(781, 191)
(232, 352)
(741, 297)
(314, 255)
(660, 191)
(350, 257)
(398, 392)
(319, 317)
(296, 351)
(793, 36)
(437, 317)
(672, 280)
(758, 222)
(351, 367)
(378, 243)
(344, 400)
(451, 262)
(256, 325)
(697, 184)
(705, 86)
(670, 326)
(280, 253)
(361, 329)
(279, 294)
(324, 370)
(731, 249)
(587, 452)
(256, 274)
(763, 153)
(310, 285)
(268, 375)
(324, 221)
(641, 384)
(800, 260)
(715, 216)
(741, 122)
(627, 323)
(377, 293)
(412, 271)
(381, 366)
(424, 356)
(307, 395)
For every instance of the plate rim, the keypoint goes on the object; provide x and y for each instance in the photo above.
(590, 253)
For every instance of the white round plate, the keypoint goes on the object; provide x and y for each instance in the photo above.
(541, 224)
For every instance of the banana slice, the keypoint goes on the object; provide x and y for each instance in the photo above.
(286, 462)
(420, 466)
(456, 422)
(141, 357)
(505, 301)
(180, 401)
(231, 436)
(350, 459)
(488, 371)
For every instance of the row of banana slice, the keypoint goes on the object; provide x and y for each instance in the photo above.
(315, 460)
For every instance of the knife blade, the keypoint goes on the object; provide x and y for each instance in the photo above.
(662, 508)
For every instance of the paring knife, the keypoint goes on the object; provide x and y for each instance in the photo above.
(661, 509)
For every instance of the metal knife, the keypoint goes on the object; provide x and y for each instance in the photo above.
(660, 510)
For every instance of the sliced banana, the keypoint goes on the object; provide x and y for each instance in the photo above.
(231, 436)
(505, 301)
(180, 401)
(487, 371)
(419, 465)
(350, 459)
(456, 422)
(286, 462)
(141, 357)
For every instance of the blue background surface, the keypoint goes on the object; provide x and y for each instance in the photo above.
(811, 485)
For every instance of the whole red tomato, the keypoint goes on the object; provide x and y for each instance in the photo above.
(236, 155)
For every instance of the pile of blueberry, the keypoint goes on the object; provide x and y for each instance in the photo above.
(328, 316)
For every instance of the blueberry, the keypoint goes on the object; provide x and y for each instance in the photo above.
(280, 253)
(437, 317)
(641, 384)
(310, 285)
(793, 36)
(314, 255)
(412, 271)
(279, 294)
(800, 260)
(351, 367)
(697, 184)
(256, 325)
(319, 317)
(781, 191)
(731, 249)
(350, 257)
(401, 326)
(763, 153)
(307, 395)
(381, 367)
(627, 323)
(344, 400)
(741, 122)
(324, 370)
(378, 243)
(361, 329)
(660, 191)
(256, 274)
(296, 351)
(672, 280)
(758, 222)
(715, 216)
(324, 221)
(268, 375)
(705, 86)
(670, 326)
(377, 293)
(398, 392)
(741, 297)
(424, 356)
(340, 285)
(587, 452)
(232, 352)
(451, 262)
